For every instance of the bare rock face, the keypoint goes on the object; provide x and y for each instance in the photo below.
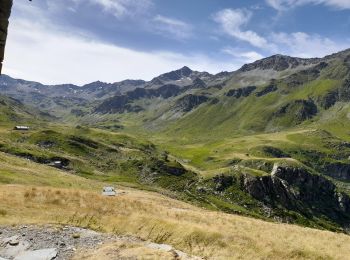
(241, 92)
(339, 171)
(299, 110)
(266, 90)
(46, 242)
(222, 182)
(270, 190)
(297, 189)
(176, 74)
(198, 83)
(63, 243)
(43, 254)
(278, 63)
(189, 102)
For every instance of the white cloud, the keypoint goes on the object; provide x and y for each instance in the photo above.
(277, 4)
(42, 53)
(121, 8)
(172, 28)
(232, 22)
(286, 4)
(244, 56)
(301, 44)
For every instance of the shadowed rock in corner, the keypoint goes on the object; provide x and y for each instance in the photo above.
(297, 189)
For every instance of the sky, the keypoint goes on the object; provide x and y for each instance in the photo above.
(81, 41)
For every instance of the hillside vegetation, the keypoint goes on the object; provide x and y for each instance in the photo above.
(269, 141)
(72, 200)
(234, 186)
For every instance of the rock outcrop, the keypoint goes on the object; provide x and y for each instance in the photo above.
(338, 170)
(241, 92)
(298, 110)
(278, 63)
(123, 103)
(222, 182)
(65, 242)
(266, 90)
(297, 189)
(176, 74)
(189, 102)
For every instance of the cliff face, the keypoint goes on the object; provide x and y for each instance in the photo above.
(339, 171)
(278, 63)
(290, 194)
(297, 189)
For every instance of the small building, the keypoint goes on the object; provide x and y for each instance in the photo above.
(21, 128)
(109, 191)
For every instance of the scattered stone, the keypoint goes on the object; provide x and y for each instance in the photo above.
(13, 241)
(163, 247)
(76, 235)
(43, 254)
(62, 243)
(177, 254)
(9, 251)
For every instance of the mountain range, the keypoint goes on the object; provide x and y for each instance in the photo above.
(269, 140)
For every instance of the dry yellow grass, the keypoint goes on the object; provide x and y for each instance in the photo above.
(124, 250)
(154, 217)
(21, 171)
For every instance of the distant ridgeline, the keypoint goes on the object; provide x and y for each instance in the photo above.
(222, 134)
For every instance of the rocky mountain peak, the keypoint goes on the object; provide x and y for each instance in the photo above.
(341, 54)
(278, 62)
(185, 70)
(175, 75)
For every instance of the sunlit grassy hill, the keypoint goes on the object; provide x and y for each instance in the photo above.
(36, 194)
(269, 141)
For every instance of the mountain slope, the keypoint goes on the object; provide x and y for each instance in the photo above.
(156, 218)
(15, 112)
(217, 137)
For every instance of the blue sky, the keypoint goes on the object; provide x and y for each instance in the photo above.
(79, 41)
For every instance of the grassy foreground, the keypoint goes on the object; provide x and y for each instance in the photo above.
(163, 220)
(32, 193)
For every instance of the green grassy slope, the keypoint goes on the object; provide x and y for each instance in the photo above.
(13, 111)
(205, 145)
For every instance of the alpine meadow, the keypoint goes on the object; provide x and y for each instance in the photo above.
(241, 154)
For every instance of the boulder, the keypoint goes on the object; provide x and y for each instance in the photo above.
(43, 254)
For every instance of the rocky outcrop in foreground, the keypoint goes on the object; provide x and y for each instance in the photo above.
(297, 189)
(289, 193)
(65, 242)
